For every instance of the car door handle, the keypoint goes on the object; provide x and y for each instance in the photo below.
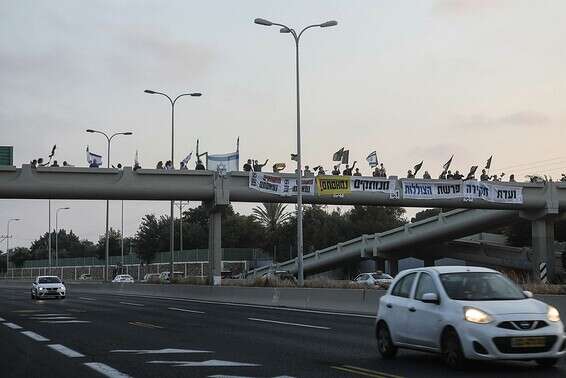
(388, 305)
(412, 309)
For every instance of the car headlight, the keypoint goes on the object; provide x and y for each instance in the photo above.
(475, 315)
(41, 288)
(553, 314)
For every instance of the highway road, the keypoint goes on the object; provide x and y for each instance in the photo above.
(91, 335)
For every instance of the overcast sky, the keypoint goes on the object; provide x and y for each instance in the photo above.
(414, 80)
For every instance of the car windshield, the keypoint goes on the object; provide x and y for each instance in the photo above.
(49, 280)
(382, 276)
(480, 286)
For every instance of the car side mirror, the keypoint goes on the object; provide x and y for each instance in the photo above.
(528, 294)
(63, 282)
(430, 298)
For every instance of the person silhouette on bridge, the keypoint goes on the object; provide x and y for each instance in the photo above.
(426, 175)
(199, 166)
(336, 170)
(357, 173)
(159, 165)
(258, 167)
(248, 166)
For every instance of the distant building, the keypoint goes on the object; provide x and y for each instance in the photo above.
(6, 155)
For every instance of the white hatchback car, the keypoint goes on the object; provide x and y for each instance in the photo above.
(467, 313)
(48, 287)
(123, 278)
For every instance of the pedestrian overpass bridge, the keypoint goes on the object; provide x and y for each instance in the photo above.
(542, 203)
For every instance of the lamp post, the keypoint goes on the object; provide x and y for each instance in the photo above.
(122, 236)
(57, 234)
(49, 241)
(8, 243)
(109, 139)
(297, 36)
(173, 101)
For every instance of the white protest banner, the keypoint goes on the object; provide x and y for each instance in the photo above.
(492, 192)
(419, 189)
(277, 184)
(372, 184)
(228, 162)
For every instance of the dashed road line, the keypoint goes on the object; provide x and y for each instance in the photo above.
(106, 370)
(52, 317)
(2, 320)
(64, 321)
(66, 351)
(185, 310)
(132, 304)
(87, 299)
(34, 336)
(288, 323)
(146, 325)
(12, 325)
(26, 311)
(41, 315)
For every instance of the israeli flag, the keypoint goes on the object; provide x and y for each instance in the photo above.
(92, 157)
(372, 159)
(229, 162)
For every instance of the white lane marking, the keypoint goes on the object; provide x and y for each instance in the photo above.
(12, 325)
(35, 336)
(159, 351)
(2, 320)
(287, 323)
(87, 299)
(53, 318)
(254, 306)
(40, 315)
(131, 304)
(244, 376)
(64, 321)
(66, 351)
(207, 363)
(106, 370)
(185, 310)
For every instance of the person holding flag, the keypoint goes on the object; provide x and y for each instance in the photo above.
(93, 159)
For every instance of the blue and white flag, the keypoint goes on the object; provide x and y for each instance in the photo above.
(228, 162)
(372, 159)
(93, 158)
(186, 160)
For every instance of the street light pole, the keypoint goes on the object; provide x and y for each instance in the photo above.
(172, 226)
(8, 243)
(49, 237)
(57, 234)
(109, 139)
(122, 235)
(297, 36)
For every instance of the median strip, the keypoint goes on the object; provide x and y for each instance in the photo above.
(106, 370)
(66, 351)
(287, 323)
(35, 336)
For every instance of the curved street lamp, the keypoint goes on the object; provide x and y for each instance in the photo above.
(173, 102)
(296, 37)
(109, 139)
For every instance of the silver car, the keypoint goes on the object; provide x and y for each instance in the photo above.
(48, 287)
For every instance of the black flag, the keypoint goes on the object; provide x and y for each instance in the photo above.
(488, 164)
(472, 172)
(418, 167)
(345, 157)
(447, 164)
(338, 155)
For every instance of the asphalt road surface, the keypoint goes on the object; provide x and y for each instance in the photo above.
(88, 335)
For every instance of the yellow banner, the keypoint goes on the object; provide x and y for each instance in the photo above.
(331, 185)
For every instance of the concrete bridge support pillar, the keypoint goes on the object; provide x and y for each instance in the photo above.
(393, 266)
(380, 264)
(543, 247)
(214, 246)
(428, 261)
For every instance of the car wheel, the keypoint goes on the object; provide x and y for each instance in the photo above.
(385, 344)
(546, 362)
(452, 353)
(32, 295)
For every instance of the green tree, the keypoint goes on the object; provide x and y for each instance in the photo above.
(272, 216)
(114, 245)
(18, 255)
(425, 214)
